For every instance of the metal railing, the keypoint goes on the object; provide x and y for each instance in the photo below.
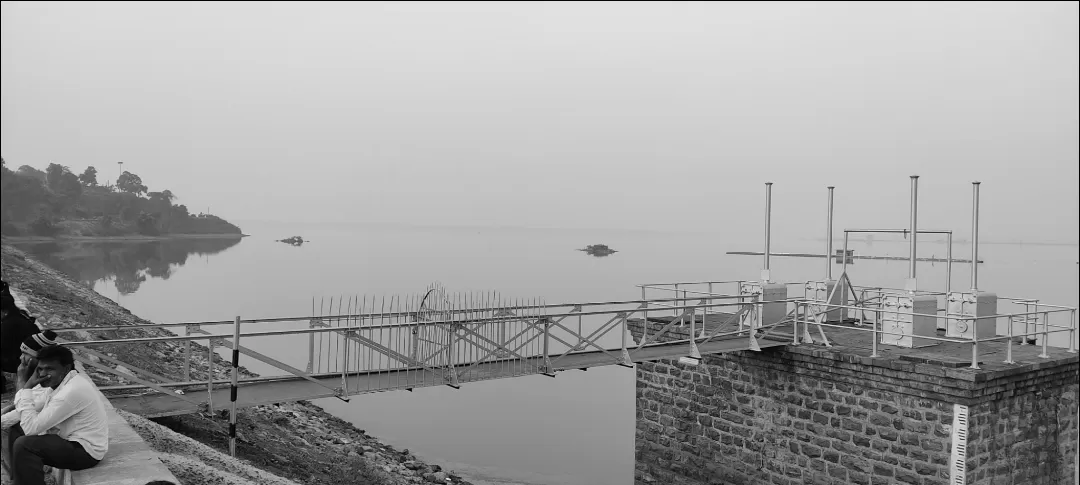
(1038, 321)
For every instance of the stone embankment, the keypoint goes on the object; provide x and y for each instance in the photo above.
(293, 442)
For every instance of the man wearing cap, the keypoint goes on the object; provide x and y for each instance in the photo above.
(73, 410)
(27, 366)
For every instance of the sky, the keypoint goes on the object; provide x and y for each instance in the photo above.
(667, 116)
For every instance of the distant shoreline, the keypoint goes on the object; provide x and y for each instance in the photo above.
(131, 238)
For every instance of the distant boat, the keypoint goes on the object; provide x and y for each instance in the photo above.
(295, 240)
(599, 250)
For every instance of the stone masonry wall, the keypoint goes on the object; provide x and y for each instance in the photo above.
(1028, 438)
(807, 415)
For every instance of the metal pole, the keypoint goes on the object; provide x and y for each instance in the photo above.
(1072, 332)
(644, 316)
(974, 236)
(912, 286)
(948, 265)
(844, 257)
(210, 373)
(768, 227)
(877, 323)
(828, 239)
(232, 391)
(187, 355)
(1009, 345)
(974, 344)
(1046, 335)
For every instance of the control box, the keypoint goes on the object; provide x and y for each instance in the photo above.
(822, 291)
(769, 313)
(978, 305)
(908, 317)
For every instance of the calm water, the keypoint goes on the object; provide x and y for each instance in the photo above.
(576, 429)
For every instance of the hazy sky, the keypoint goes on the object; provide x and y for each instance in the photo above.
(666, 115)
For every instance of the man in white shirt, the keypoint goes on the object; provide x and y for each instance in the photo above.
(70, 432)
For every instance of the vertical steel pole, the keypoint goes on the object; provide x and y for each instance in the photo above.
(768, 231)
(829, 239)
(311, 347)
(187, 354)
(948, 264)
(913, 243)
(232, 391)
(1045, 336)
(1072, 332)
(877, 336)
(844, 257)
(1009, 345)
(974, 236)
(210, 373)
(547, 347)
(974, 344)
(644, 316)
(675, 304)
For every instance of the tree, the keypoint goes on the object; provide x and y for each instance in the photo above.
(54, 174)
(28, 171)
(89, 177)
(130, 183)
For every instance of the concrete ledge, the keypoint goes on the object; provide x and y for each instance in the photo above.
(130, 461)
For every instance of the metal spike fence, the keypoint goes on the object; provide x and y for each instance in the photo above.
(382, 343)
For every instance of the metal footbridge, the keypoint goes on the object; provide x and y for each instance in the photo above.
(431, 339)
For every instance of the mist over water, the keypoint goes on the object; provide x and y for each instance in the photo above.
(577, 428)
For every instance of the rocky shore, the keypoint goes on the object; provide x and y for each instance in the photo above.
(296, 442)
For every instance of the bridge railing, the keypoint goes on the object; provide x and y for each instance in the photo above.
(522, 338)
(1029, 320)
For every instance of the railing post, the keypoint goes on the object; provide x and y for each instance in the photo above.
(547, 347)
(1046, 336)
(187, 354)
(232, 392)
(311, 348)
(799, 306)
(1009, 345)
(974, 345)
(675, 307)
(210, 373)
(877, 336)
(644, 316)
(1072, 332)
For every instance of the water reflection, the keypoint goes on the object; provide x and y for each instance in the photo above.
(126, 263)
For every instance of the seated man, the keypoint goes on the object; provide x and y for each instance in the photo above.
(73, 410)
(27, 366)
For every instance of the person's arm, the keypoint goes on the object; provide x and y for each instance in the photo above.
(7, 409)
(9, 418)
(61, 407)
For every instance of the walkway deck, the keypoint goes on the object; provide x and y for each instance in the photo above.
(295, 389)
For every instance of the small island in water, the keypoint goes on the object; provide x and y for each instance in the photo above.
(295, 240)
(598, 250)
(57, 204)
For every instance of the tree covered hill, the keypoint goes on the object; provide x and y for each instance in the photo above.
(56, 202)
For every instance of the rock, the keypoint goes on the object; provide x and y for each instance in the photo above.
(429, 477)
(353, 454)
(436, 468)
(440, 477)
(367, 449)
(412, 465)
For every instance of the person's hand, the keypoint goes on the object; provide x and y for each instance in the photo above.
(34, 381)
(27, 367)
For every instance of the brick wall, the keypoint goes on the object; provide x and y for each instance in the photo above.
(808, 415)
